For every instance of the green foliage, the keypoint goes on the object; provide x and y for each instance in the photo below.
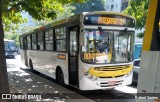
(12, 36)
(139, 10)
(67, 11)
(89, 6)
(38, 9)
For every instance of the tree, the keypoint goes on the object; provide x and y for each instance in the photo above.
(9, 13)
(89, 6)
(12, 36)
(139, 10)
(67, 11)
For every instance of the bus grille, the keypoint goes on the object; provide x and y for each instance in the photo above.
(112, 68)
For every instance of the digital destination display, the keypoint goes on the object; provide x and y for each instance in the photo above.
(109, 20)
(112, 21)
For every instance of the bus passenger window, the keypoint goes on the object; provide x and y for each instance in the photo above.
(49, 39)
(60, 39)
(34, 42)
(28, 42)
(21, 42)
(40, 41)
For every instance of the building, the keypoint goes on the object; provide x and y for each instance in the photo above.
(116, 5)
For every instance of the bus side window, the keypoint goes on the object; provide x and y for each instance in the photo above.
(29, 42)
(60, 39)
(21, 42)
(40, 44)
(49, 40)
(34, 41)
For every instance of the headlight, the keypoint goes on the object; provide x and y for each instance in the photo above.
(85, 72)
(88, 75)
(94, 78)
(129, 73)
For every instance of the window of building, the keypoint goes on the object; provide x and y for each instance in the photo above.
(60, 39)
(40, 41)
(34, 41)
(49, 40)
(112, 6)
(29, 41)
(124, 6)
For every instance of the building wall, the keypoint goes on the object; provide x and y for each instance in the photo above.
(113, 5)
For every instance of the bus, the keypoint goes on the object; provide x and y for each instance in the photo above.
(137, 50)
(149, 74)
(10, 48)
(89, 51)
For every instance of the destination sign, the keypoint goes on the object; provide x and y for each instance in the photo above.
(109, 20)
(112, 21)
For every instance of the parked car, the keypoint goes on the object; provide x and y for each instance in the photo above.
(136, 71)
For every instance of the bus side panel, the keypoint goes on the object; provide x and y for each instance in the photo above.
(32, 55)
(46, 62)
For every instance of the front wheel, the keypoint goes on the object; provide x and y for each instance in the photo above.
(60, 77)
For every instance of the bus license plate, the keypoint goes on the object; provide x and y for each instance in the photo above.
(112, 82)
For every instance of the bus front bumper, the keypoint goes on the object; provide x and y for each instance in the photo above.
(105, 83)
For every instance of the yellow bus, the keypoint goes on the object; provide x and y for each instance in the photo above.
(89, 51)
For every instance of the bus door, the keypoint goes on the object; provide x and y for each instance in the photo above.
(73, 56)
(24, 49)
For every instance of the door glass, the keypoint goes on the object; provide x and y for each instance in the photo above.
(73, 43)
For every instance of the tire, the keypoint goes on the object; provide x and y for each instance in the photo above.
(31, 65)
(60, 77)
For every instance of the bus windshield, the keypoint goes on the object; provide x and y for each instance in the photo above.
(107, 46)
(10, 46)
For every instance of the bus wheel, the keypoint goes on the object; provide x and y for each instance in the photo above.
(31, 65)
(60, 77)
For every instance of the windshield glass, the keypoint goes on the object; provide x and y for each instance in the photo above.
(103, 46)
(9, 46)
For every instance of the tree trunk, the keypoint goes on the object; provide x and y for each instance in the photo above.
(4, 86)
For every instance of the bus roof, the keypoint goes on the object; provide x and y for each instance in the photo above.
(72, 18)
